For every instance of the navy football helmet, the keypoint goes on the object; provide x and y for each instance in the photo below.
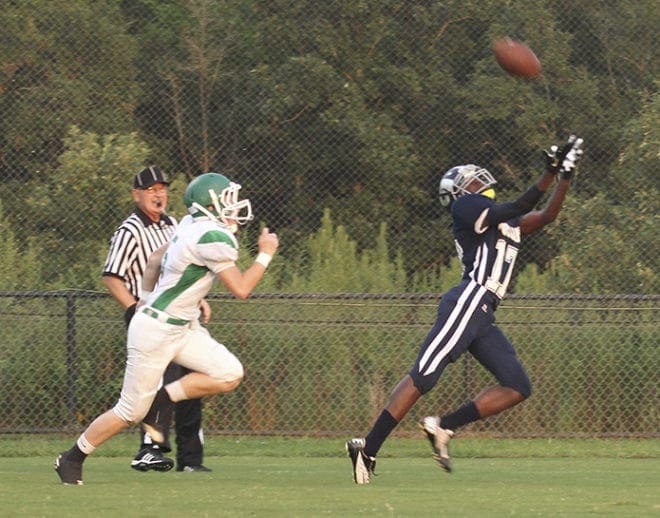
(455, 181)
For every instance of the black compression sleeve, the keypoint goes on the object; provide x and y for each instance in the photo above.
(505, 211)
(529, 199)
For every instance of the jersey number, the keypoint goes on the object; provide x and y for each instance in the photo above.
(500, 275)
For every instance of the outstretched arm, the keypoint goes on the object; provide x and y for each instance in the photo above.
(563, 165)
(537, 219)
(558, 162)
(526, 202)
(241, 284)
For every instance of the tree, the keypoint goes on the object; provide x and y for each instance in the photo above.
(618, 234)
(334, 265)
(609, 255)
(617, 227)
(20, 266)
(63, 63)
(82, 202)
(356, 107)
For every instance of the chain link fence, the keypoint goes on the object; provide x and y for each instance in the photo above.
(325, 364)
(338, 118)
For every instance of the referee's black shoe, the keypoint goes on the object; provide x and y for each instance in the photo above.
(151, 459)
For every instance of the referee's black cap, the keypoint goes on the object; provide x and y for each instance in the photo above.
(148, 177)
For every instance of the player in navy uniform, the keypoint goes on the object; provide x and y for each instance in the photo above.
(487, 236)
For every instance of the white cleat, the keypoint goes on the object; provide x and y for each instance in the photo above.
(363, 466)
(439, 439)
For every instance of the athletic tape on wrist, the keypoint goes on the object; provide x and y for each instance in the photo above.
(263, 259)
(145, 295)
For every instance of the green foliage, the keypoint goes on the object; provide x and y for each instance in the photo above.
(358, 111)
(20, 265)
(63, 63)
(532, 281)
(636, 169)
(38, 345)
(93, 178)
(597, 240)
(335, 265)
(438, 279)
(593, 363)
(608, 239)
(355, 107)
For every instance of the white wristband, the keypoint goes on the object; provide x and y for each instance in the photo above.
(145, 295)
(263, 259)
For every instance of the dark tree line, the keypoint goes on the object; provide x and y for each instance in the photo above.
(353, 106)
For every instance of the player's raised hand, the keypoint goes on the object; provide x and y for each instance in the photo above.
(268, 242)
(572, 152)
(564, 160)
(551, 161)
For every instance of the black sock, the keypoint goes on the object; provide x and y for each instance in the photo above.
(162, 396)
(75, 454)
(460, 417)
(161, 402)
(381, 430)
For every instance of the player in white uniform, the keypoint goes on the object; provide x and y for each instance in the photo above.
(165, 327)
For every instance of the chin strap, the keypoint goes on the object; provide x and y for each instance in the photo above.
(196, 207)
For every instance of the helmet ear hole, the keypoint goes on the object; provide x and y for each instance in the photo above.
(445, 199)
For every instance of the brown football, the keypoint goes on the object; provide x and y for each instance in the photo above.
(516, 58)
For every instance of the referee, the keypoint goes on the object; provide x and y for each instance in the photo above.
(140, 234)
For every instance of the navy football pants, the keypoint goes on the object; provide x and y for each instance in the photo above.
(466, 322)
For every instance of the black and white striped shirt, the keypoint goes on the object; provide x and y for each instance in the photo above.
(132, 244)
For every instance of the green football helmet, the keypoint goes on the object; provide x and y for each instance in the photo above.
(215, 196)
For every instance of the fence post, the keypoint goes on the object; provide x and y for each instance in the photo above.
(71, 355)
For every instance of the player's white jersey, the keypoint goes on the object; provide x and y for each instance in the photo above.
(200, 248)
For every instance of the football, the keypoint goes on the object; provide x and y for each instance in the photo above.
(516, 58)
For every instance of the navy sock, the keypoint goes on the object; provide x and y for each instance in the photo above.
(460, 417)
(381, 430)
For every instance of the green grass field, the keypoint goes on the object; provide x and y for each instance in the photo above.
(275, 476)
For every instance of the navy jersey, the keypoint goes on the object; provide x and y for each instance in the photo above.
(487, 252)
